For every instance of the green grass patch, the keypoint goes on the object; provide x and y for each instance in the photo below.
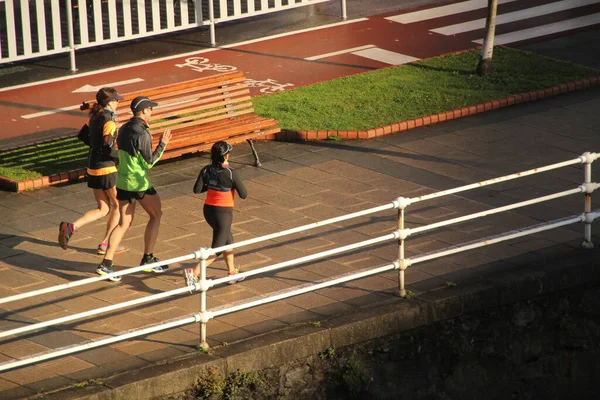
(405, 92)
(356, 102)
(43, 159)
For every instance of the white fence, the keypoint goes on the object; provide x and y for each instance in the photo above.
(401, 264)
(37, 28)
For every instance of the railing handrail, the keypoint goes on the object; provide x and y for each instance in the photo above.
(400, 202)
(401, 264)
(198, 317)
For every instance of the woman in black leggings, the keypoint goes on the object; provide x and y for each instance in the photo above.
(220, 182)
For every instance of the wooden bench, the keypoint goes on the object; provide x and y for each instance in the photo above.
(201, 112)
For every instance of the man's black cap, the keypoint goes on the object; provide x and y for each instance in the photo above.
(140, 103)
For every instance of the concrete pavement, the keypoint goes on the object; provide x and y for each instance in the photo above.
(299, 183)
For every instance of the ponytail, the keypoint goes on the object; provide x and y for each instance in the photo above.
(218, 152)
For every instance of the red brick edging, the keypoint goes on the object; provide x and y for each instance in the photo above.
(43, 181)
(292, 136)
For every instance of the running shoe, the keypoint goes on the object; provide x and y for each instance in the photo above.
(65, 231)
(149, 259)
(104, 270)
(241, 278)
(103, 246)
(190, 279)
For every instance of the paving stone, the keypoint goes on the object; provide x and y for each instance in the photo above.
(300, 183)
(27, 375)
(7, 385)
(291, 185)
(310, 175)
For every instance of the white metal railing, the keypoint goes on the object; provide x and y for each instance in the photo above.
(38, 28)
(400, 235)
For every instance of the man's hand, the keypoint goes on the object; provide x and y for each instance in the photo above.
(166, 136)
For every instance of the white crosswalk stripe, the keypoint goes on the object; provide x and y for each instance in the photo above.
(540, 10)
(442, 11)
(385, 56)
(337, 53)
(549, 29)
(527, 13)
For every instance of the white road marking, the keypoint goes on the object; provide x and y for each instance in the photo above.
(548, 29)
(514, 16)
(336, 53)
(183, 55)
(385, 56)
(90, 88)
(442, 11)
(50, 112)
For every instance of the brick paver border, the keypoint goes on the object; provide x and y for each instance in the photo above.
(293, 136)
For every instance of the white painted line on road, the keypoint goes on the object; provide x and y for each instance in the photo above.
(91, 89)
(50, 112)
(385, 56)
(337, 53)
(442, 11)
(120, 67)
(514, 16)
(71, 108)
(549, 29)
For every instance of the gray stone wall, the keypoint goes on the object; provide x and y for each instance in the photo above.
(547, 347)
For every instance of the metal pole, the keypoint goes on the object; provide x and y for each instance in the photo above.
(579, 160)
(211, 17)
(315, 256)
(587, 206)
(344, 14)
(579, 189)
(502, 237)
(103, 342)
(86, 281)
(401, 289)
(305, 289)
(203, 288)
(96, 311)
(71, 36)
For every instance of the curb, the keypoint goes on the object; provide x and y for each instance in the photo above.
(43, 181)
(294, 136)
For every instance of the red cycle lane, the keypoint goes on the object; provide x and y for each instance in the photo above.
(49, 109)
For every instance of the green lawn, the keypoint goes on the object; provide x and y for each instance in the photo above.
(356, 102)
(390, 95)
(43, 159)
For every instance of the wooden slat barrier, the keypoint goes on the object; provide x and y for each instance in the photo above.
(201, 112)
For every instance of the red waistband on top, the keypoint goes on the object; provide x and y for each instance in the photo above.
(219, 199)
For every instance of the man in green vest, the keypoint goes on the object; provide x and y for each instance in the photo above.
(135, 160)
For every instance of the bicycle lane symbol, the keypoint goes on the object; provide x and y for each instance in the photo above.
(201, 64)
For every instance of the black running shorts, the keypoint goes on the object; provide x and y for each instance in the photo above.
(103, 182)
(131, 197)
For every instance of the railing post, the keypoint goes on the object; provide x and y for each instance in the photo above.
(203, 286)
(587, 207)
(211, 17)
(344, 14)
(401, 203)
(401, 289)
(71, 35)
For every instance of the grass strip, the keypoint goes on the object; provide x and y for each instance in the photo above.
(356, 102)
(430, 86)
(43, 159)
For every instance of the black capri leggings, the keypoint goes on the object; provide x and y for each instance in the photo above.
(219, 219)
